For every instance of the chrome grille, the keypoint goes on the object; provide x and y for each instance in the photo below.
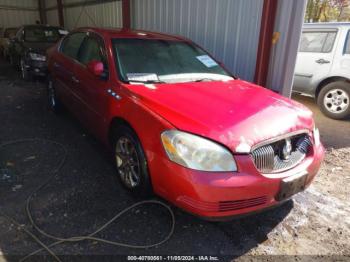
(269, 159)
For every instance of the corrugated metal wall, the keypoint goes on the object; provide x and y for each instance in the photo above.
(229, 29)
(102, 15)
(108, 14)
(289, 21)
(51, 14)
(10, 17)
(52, 17)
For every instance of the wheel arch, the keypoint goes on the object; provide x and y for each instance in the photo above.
(328, 80)
(118, 121)
(114, 123)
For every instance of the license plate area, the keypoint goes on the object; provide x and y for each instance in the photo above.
(291, 186)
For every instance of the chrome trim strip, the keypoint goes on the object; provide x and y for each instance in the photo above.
(286, 168)
(281, 137)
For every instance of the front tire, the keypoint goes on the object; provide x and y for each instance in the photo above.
(334, 100)
(130, 162)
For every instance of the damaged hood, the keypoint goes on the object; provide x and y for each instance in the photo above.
(235, 113)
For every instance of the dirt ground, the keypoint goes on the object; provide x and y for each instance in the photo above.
(84, 194)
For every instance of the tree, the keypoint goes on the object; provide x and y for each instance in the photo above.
(327, 10)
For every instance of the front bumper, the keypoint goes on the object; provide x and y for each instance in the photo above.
(37, 68)
(218, 196)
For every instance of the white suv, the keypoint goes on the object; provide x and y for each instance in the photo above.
(323, 67)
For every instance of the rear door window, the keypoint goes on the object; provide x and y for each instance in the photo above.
(317, 42)
(71, 45)
(347, 44)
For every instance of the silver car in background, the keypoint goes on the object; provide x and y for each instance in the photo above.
(323, 67)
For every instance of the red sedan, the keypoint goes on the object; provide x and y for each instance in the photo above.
(181, 125)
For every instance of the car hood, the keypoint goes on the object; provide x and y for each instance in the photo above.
(40, 47)
(236, 113)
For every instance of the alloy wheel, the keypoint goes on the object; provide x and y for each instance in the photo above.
(336, 101)
(51, 94)
(128, 162)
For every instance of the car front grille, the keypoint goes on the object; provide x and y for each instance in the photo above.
(271, 158)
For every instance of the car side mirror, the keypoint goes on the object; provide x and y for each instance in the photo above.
(96, 67)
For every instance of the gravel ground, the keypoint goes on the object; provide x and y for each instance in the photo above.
(84, 195)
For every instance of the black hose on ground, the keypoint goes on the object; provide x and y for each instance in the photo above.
(91, 236)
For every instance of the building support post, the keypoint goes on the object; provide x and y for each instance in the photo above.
(126, 14)
(42, 12)
(60, 13)
(265, 41)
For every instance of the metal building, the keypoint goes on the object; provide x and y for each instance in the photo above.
(256, 39)
(14, 13)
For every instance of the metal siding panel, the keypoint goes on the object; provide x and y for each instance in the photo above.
(52, 17)
(20, 3)
(229, 29)
(16, 18)
(100, 15)
(51, 3)
(289, 23)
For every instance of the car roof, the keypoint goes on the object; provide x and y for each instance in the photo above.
(327, 25)
(130, 33)
(40, 26)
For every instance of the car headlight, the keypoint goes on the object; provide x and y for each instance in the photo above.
(316, 133)
(37, 57)
(196, 152)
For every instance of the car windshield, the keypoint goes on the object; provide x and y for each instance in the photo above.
(152, 60)
(41, 34)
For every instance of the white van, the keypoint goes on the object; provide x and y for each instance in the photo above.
(323, 67)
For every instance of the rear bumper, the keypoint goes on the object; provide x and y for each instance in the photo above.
(222, 196)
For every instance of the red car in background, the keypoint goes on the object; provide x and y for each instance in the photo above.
(182, 126)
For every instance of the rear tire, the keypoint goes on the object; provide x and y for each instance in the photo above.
(130, 162)
(26, 75)
(53, 102)
(334, 100)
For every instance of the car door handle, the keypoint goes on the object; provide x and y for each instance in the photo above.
(322, 61)
(75, 80)
(56, 65)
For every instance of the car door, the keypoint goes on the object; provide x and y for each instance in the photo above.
(341, 66)
(315, 58)
(91, 89)
(63, 64)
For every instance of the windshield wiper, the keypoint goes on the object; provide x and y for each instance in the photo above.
(147, 81)
(204, 79)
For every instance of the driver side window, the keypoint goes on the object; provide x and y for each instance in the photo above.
(71, 44)
(89, 51)
(93, 49)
